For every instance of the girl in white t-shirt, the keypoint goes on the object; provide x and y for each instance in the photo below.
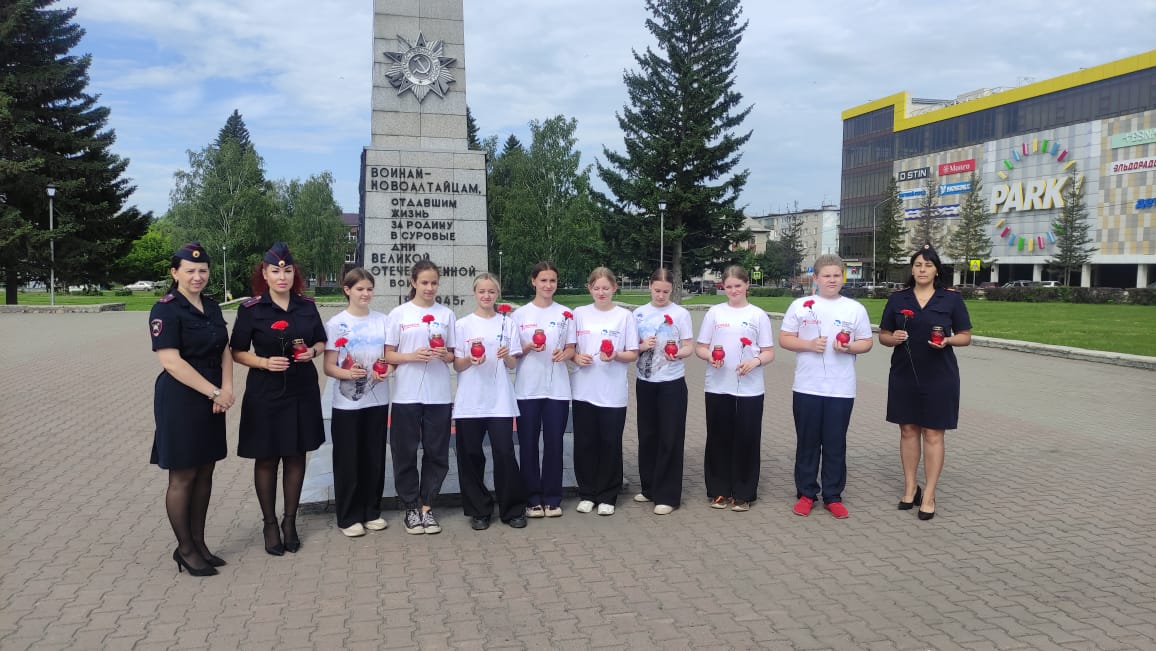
(420, 342)
(354, 358)
(736, 341)
(666, 337)
(826, 331)
(485, 404)
(545, 332)
(607, 344)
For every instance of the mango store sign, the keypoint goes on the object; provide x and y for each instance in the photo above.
(1039, 195)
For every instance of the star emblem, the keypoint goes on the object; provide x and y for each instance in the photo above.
(420, 68)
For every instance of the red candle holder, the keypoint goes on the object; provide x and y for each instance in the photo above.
(437, 341)
(299, 349)
(844, 337)
(718, 354)
(671, 348)
(477, 349)
(607, 347)
(937, 335)
(380, 367)
(539, 338)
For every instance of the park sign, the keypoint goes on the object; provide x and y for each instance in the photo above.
(423, 191)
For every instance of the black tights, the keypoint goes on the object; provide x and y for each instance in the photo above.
(187, 504)
(265, 481)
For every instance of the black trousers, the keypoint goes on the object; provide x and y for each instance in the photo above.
(427, 427)
(541, 426)
(508, 485)
(358, 463)
(661, 438)
(821, 436)
(734, 427)
(598, 451)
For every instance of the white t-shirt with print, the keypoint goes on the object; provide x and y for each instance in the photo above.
(603, 384)
(485, 390)
(831, 374)
(365, 336)
(652, 365)
(415, 382)
(538, 376)
(726, 326)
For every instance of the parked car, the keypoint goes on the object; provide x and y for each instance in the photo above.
(141, 286)
(988, 284)
(1049, 283)
(1022, 283)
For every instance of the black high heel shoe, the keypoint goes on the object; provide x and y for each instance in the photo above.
(915, 501)
(926, 515)
(213, 560)
(272, 533)
(289, 531)
(183, 565)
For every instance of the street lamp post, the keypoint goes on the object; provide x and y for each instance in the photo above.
(499, 265)
(224, 275)
(874, 231)
(661, 233)
(51, 190)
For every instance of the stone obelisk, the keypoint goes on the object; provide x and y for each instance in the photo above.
(423, 192)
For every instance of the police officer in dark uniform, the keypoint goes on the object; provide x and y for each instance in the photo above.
(189, 403)
(924, 323)
(277, 334)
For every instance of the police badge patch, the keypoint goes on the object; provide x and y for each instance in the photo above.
(156, 325)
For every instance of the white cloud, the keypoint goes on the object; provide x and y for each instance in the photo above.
(299, 71)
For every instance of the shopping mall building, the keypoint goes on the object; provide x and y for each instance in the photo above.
(1023, 144)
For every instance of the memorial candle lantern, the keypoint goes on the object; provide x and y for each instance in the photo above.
(718, 354)
(539, 338)
(671, 348)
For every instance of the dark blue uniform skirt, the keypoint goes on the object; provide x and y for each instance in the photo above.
(187, 434)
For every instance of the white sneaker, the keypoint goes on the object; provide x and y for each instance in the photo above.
(354, 531)
(553, 511)
(641, 498)
(663, 509)
(605, 509)
(377, 525)
(585, 506)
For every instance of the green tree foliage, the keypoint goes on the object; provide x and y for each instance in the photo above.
(890, 232)
(472, 131)
(235, 130)
(223, 199)
(316, 234)
(679, 131)
(790, 244)
(928, 228)
(542, 207)
(53, 131)
(971, 239)
(148, 259)
(1073, 232)
(776, 264)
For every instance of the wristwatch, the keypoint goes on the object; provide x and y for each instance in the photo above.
(216, 394)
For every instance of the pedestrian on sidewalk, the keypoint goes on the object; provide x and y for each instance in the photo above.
(485, 405)
(545, 342)
(191, 395)
(666, 338)
(420, 342)
(826, 331)
(277, 334)
(607, 344)
(923, 322)
(736, 341)
(355, 359)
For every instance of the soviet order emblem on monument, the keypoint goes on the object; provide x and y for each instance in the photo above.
(423, 192)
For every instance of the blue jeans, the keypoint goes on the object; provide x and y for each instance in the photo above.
(542, 420)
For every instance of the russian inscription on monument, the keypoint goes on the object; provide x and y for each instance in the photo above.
(423, 192)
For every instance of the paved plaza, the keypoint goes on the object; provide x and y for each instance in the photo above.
(1043, 539)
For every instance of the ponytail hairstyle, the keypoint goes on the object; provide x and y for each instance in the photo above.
(354, 276)
(418, 267)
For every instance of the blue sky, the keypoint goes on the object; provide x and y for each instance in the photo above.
(299, 72)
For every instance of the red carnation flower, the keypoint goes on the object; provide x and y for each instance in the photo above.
(340, 343)
(280, 325)
(429, 318)
(567, 315)
(809, 303)
(669, 321)
(907, 313)
(504, 308)
(744, 341)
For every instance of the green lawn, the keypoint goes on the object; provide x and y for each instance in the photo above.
(1115, 328)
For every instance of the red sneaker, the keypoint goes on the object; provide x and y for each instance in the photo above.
(803, 506)
(838, 510)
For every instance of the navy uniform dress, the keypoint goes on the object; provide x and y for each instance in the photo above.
(281, 412)
(932, 400)
(188, 433)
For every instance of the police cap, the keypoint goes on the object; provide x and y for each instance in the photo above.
(193, 252)
(278, 255)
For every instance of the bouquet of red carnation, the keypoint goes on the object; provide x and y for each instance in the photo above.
(909, 314)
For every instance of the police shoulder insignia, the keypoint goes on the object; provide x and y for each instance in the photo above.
(251, 302)
(167, 298)
(309, 298)
(156, 326)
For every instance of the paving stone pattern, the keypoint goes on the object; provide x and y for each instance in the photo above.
(1043, 538)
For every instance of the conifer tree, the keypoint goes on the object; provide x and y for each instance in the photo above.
(890, 232)
(234, 129)
(472, 141)
(1073, 232)
(681, 145)
(928, 229)
(53, 131)
(971, 239)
